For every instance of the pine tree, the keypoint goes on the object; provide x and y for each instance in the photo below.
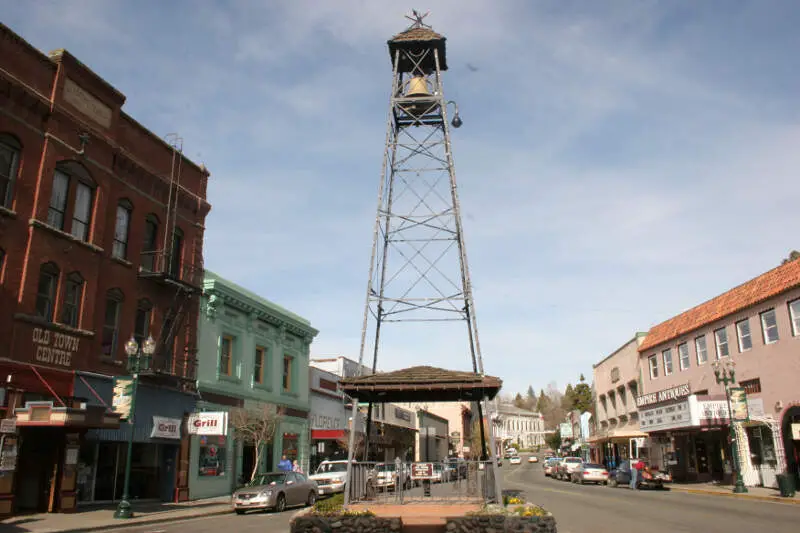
(530, 398)
(543, 403)
(582, 397)
(568, 401)
(519, 401)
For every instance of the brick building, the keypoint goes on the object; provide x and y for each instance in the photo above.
(101, 240)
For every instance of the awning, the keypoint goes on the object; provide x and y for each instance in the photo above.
(327, 434)
(627, 434)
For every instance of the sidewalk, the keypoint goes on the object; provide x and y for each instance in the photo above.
(102, 518)
(753, 493)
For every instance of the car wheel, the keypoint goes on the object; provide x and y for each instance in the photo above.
(312, 498)
(239, 511)
(612, 482)
(280, 504)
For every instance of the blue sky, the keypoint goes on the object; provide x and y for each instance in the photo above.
(620, 161)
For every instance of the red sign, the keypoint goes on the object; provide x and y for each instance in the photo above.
(422, 470)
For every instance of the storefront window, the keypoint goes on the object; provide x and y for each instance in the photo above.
(762, 447)
(290, 446)
(212, 456)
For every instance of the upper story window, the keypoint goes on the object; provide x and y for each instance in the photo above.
(121, 229)
(769, 326)
(141, 324)
(721, 338)
(150, 245)
(176, 254)
(751, 386)
(653, 361)
(667, 361)
(110, 341)
(288, 362)
(701, 349)
(73, 298)
(2, 264)
(794, 315)
(683, 356)
(259, 364)
(10, 150)
(46, 291)
(67, 178)
(743, 334)
(226, 355)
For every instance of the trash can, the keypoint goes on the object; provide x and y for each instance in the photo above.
(786, 485)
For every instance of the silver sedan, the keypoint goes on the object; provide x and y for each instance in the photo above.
(590, 473)
(277, 490)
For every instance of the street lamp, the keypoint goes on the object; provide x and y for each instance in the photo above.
(725, 373)
(139, 359)
(456, 122)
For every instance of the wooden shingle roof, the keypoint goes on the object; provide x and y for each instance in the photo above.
(755, 291)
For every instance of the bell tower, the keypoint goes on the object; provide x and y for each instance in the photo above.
(418, 267)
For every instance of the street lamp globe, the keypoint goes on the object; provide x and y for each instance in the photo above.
(131, 347)
(149, 346)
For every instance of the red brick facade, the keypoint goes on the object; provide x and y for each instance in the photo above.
(58, 117)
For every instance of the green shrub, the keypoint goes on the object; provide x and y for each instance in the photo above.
(329, 506)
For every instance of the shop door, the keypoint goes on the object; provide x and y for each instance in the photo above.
(167, 475)
(38, 469)
(109, 472)
(717, 469)
(248, 461)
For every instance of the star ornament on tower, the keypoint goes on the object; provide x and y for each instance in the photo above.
(417, 18)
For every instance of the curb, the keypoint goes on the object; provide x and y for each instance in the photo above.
(776, 499)
(143, 522)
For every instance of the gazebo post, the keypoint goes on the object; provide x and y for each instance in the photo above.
(492, 455)
(351, 451)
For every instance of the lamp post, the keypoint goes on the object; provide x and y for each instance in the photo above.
(139, 358)
(456, 122)
(725, 373)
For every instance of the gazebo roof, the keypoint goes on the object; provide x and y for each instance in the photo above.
(415, 40)
(421, 384)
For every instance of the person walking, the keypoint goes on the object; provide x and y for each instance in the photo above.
(285, 464)
(296, 467)
(636, 470)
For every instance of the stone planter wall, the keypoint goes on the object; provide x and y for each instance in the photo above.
(501, 524)
(310, 523)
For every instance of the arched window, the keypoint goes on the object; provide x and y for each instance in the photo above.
(10, 150)
(121, 229)
(46, 291)
(73, 300)
(150, 246)
(68, 177)
(176, 254)
(110, 345)
(141, 326)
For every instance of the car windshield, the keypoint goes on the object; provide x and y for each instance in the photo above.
(326, 468)
(385, 467)
(268, 479)
(572, 460)
(592, 465)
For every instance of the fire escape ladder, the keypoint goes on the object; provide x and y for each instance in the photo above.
(173, 320)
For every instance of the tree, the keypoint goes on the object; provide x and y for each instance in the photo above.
(568, 401)
(553, 440)
(530, 399)
(256, 427)
(793, 256)
(543, 403)
(519, 401)
(582, 396)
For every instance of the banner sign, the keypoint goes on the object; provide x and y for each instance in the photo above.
(674, 393)
(166, 428)
(209, 423)
(123, 397)
(740, 412)
(422, 470)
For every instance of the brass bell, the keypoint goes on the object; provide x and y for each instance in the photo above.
(417, 87)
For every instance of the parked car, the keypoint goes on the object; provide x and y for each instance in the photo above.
(550, 466)
(330, 477)
(533, 459)
(386, 476)
(515, 460)
(276, 490)
(648, 478)
(567, 467)
(591, 473)
(457, 468)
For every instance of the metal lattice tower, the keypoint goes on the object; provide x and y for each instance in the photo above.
(418, 268)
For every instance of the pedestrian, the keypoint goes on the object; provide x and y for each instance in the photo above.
(636, 470)
(285, 464)
(296, 467)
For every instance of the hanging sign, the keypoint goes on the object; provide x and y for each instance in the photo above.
(674, 393)
(208, 423)
(122, 399)
(739, 410)
(166, 428)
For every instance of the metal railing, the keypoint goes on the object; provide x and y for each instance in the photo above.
(441, 482)
(159, 263)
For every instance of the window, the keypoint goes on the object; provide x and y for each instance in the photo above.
(111, 323)
(141, 325)
(150, 244)
(226, 356)
(2, 263)
(73, 296)
(58, 200)
(743, 333)
(701, 349)
(667, 356)
(751, 386)
(653, 366)
(287, 373)
(794, 314)
(9, 165)
(683, 355)
(211, 460)
(721, 337)
(258, 365)
(46, 291)
(82, 214)
(175, 255)
(121, 227)
(769, 326)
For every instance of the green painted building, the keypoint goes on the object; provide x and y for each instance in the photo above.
(252, 355)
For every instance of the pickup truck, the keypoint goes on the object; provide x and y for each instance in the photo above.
(567, 467)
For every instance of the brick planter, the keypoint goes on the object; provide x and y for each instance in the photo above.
(501, 523)
(307, 522)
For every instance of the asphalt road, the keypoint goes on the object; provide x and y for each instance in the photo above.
(578, 509)
(599, 509)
